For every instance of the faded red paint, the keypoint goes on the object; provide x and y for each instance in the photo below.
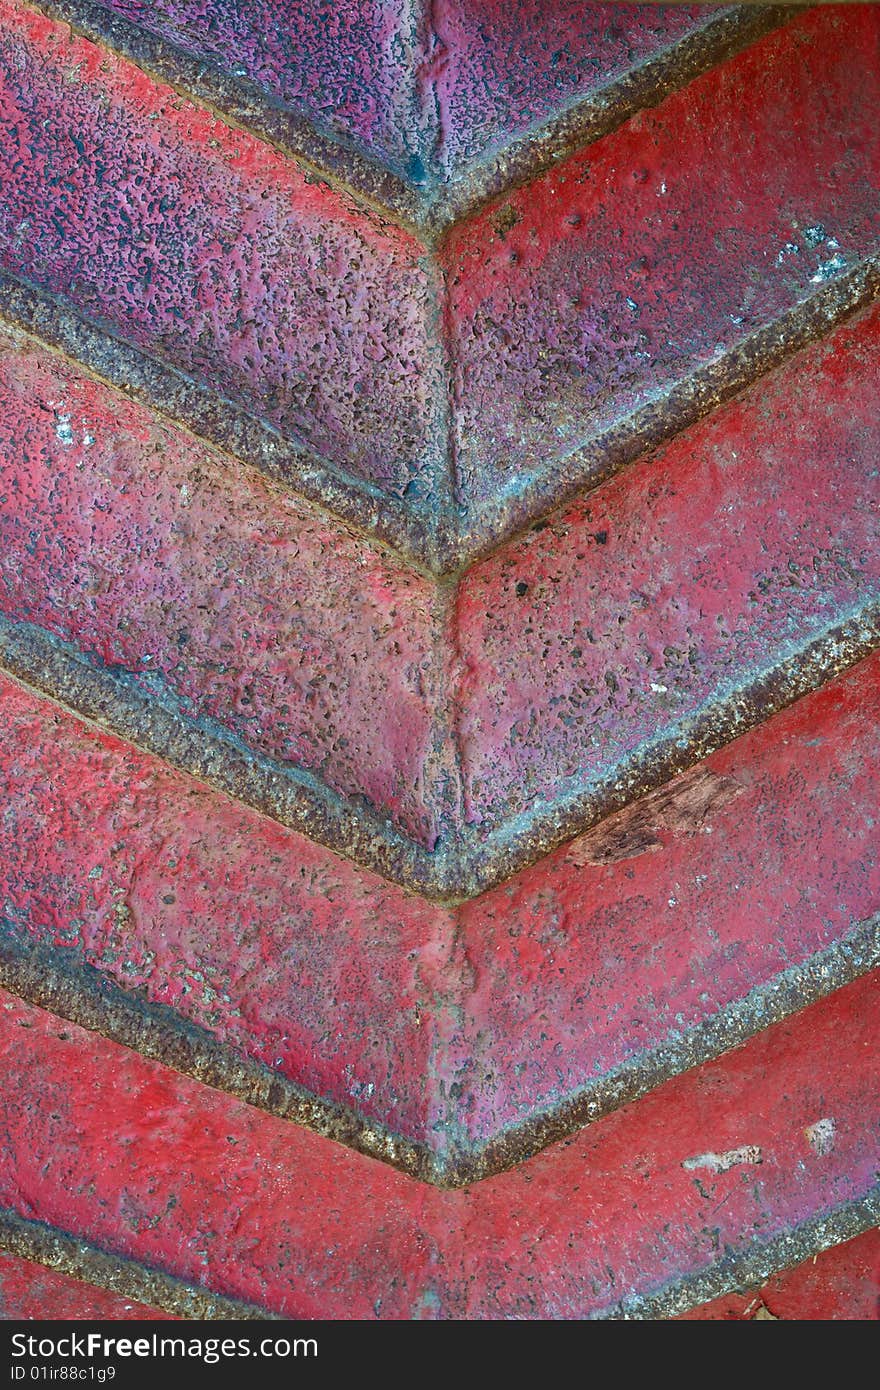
(576, 967)
(29, 1291)
(148, 1164)
(686, 574)
(423, 88)
(150, 551)
(277, 946)
(503, 66)
(199, 243)
(449, 1026)
(656, 248)
(840, 1285)
(588, 292)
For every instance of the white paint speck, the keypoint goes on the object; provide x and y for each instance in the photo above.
(63, 430)
(659, 689)
(821, 1136)
(828, 269)
(720, 1163)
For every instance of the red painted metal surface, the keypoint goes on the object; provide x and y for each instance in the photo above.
(147, 1164)
(437, 388)
(201, 244)
(667, 914)
(840, 1285)
(424, 88)
(686, 574)
(450, 1026)
(286, 951)
(585, 641)
(29, 1291)
(602, 283)
(151, 552)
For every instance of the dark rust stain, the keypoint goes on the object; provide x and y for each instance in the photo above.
(682, 808)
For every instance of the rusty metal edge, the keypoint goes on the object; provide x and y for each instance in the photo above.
(736, 1271)
(494, 176)
(67, 986)
(430, 211)
(141, 710)
(204, 414)
(144, 713)
(533, 498)
(64, 984)
(56, 1249)
(740, 1271)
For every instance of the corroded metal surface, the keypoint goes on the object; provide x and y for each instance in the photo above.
(426, 126)
(350, 334)
(439, 602)
(714, 1181)
(444, 737)
(449, 1043)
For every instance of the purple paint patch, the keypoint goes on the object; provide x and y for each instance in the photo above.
(501, 66)
(656, 249)
(138, 544)
(200, 244)
(348, 67)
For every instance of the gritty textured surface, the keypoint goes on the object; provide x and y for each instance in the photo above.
(476, 1034)
(146, 551)
(351, 69)
(605, 629)
(499, 67)
(218, 958)
(655, 249)
(292, 955)
(136, 1282)
(200, 244)
(639, 932)
(424, 88)
(840, 1285)
(30, 1291)
(580, 680)
(690, 1189)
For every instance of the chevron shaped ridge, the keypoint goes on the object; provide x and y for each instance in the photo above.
(344, 507)
(422, 503)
